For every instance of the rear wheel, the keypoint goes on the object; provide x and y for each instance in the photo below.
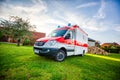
(83, 53)
(60, 56)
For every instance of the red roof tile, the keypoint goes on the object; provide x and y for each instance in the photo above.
(37, 35)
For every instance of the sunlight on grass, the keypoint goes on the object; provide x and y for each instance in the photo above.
(20, 63)
(104, 57)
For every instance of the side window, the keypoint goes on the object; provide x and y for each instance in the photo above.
(69, 35)
(73, 35)
(83, 37)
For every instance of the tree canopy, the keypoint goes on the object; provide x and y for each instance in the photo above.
(16, 27)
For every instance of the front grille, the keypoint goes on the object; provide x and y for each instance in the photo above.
(39, 43)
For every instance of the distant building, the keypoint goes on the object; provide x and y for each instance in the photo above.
(109, 44)
(37, 35)
(91, 42)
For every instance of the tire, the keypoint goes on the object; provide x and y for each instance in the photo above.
(60, 56)
(83, 53)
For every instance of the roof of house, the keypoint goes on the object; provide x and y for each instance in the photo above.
(107, 44)
(90, 39)
(37, 35)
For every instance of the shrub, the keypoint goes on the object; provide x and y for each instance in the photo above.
(26, 42)
(112, 50)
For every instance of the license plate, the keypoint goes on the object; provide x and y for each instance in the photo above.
(36, 51)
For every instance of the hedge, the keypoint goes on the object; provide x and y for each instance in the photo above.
(117, 50)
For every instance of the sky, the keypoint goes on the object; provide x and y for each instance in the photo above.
(100, 19)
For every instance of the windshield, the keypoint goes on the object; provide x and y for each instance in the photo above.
(57, 33)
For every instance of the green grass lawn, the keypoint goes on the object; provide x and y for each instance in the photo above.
(20, 63)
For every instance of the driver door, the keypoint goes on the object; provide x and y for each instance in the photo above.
(69, 40)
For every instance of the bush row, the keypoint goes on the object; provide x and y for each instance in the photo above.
(117, 50)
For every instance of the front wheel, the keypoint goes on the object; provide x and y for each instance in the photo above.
(60, 56)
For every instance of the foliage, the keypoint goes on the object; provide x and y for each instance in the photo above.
(20, 27)
(16, 27)
(6, 28)
(97, 43)
(112, 49)
(1, 34)
(26, 42)
(20, 63)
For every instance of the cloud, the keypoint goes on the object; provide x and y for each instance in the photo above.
(69, 17)
(11, 9)
(87, 5)
(35, 13)
(101, 13)
(117, 28)
(38, 15)
(94, 24)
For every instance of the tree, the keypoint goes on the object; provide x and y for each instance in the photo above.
(6, 28)
(0, 34)
(97, 43)
(16, 28)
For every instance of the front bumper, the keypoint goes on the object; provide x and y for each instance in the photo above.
(45, 51)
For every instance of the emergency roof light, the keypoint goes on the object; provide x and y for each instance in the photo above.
(58, 26)
(69, 24)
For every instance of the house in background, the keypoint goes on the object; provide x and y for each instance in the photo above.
(34, 37)
(109, 44)
(91, 42)
(37, 35)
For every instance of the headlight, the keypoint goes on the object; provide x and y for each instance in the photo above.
(50, 43)
(40, 43)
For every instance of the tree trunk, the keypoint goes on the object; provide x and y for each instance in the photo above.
(18, 42)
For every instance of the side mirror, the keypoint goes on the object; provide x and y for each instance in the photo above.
(67, 36)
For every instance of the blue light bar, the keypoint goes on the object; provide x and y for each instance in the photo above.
(58, 26)
(69, 24)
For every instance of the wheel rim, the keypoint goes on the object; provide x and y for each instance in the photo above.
(60, 56)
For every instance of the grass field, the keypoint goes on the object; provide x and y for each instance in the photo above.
(20, 63)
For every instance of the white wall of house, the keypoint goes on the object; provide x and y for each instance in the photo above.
(90, 43)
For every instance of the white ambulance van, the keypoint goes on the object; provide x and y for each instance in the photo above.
(62, 42)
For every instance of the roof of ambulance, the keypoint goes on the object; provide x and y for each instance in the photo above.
(71, 27)
(63, 28)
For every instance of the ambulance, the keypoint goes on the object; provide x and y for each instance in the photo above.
(62, 42)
